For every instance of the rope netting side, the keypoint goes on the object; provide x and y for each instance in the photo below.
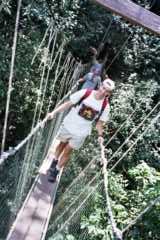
(61, 214)
(28, 155)
(78, 184)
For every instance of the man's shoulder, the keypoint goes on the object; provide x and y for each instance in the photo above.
(77, 95)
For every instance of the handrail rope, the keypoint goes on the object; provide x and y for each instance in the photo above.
(11, 75)
(91, 162)
(95, 187)
(116, 231)
(133, 132)
(41, 124)
(40, 45)
(13, 150)
(148, 208)
(155, 119)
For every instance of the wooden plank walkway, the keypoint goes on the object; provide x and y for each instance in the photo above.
(33, 218)
(133, 13)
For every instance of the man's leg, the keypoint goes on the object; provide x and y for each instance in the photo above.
(55, 156)
(59, 149)
(64, 157)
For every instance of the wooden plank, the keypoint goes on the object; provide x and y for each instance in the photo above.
(133, 13)
(32, 220)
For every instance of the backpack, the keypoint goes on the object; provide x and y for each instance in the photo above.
(87, 94)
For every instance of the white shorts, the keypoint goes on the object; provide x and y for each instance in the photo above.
(74, 141)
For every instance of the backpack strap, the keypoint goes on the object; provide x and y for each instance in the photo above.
(104, 104)
(87, 93)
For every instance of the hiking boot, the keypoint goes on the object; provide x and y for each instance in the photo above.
(53, 175)
(53, 165)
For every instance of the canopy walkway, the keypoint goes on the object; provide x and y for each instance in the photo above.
(33, 214)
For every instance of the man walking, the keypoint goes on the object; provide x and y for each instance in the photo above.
(87, 106)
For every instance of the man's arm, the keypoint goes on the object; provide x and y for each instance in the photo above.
(64, 106)
(100, 127)
(81, 80)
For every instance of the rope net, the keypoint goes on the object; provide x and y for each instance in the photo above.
(76, 204)
(21, 163)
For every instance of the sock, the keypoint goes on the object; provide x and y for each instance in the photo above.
(58, 168)
(51, 157)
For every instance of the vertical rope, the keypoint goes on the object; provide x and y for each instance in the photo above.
(11, 75)
(39, 47)
(116, 232)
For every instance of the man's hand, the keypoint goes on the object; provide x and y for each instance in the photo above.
(100, 140)
(50, 116)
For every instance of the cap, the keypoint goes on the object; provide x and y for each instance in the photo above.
(109, 84)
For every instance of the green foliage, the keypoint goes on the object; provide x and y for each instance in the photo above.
(136, 180)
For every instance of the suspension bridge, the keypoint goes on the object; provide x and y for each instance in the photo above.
(32, 211)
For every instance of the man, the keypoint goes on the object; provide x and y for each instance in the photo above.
(92, 80)
(77, 124)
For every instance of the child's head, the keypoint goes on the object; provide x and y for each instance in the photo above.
(96, 69)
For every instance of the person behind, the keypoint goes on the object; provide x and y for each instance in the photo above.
(92, 80)
(77, 124)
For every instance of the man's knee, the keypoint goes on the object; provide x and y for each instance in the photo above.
(67, 150)
(61, 145)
